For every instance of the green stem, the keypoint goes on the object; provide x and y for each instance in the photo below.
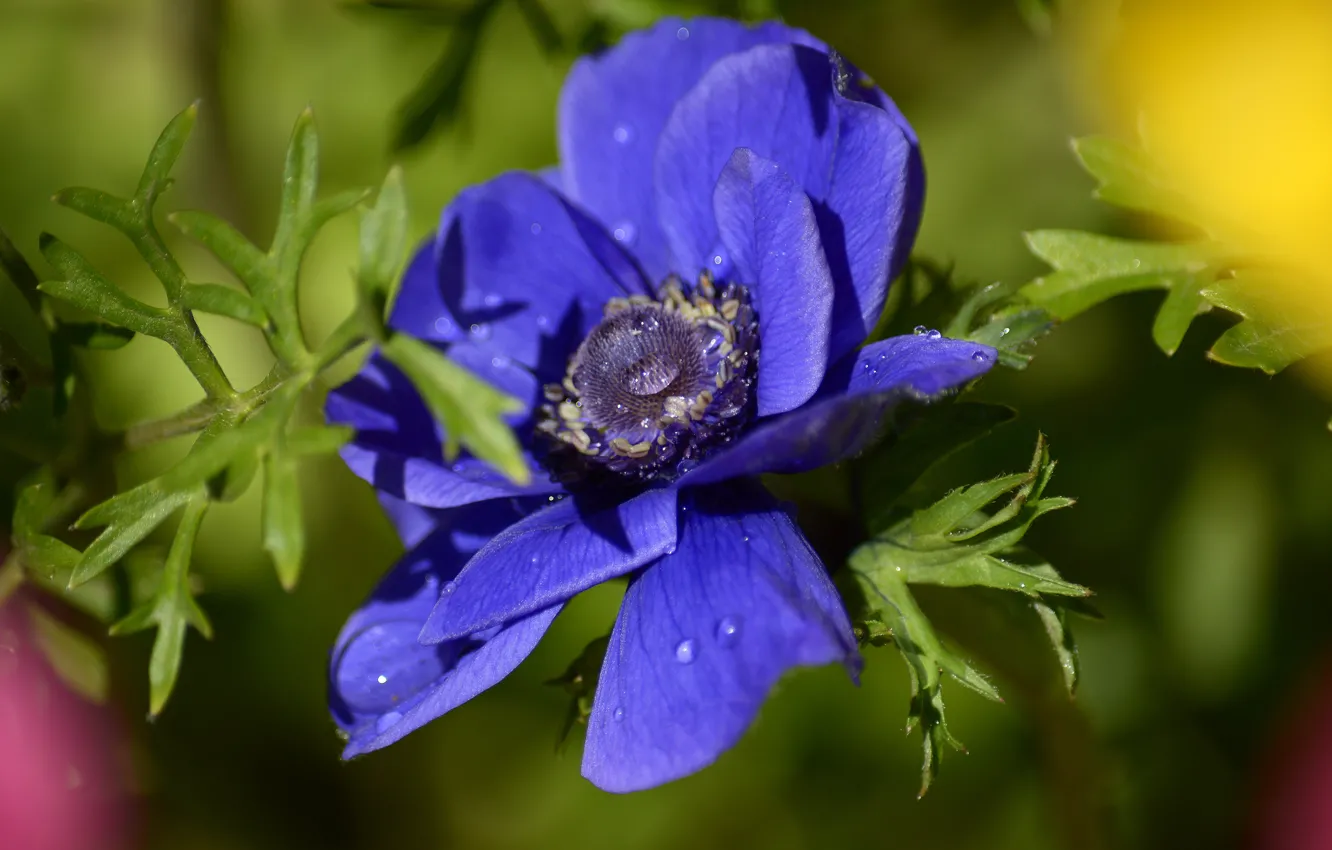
(11, 576)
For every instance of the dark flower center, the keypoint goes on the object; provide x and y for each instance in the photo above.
(655, 386)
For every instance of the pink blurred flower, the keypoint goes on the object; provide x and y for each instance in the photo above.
(59, 788)
(1294, 806)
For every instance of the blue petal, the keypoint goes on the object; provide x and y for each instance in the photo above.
(614, 106)
(550, 556)
(519, 271)
(851, 407)
(382, 683)
(704, 634)
(398, 447)
(412, 522)
(854, 160)
(767, 225)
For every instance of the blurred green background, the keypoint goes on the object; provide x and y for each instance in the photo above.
(1204, 522)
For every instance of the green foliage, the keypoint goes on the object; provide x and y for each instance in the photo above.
(1197, 275)
(240, 433)
(579, 681)
(970, 537)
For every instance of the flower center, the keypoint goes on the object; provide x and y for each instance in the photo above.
(655, 386)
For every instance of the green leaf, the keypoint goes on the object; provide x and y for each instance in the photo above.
(80, 663)
(1066, 650)
(318, 439)
(470, 410)
(238, 254)
(383, 243)
(84, 288)
(1274, 332)
(129, 517)
(436, 100)
(1129, 177)
(956, 543)
(579, 681)
(175, 610)
(924, 437)
(1090, 269)
(223, 301)
(19, 303)
(34, 510)
(162, 159)
(284, 530)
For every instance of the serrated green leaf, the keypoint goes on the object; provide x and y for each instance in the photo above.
(949, 513)
(84, 288)
(284, 530)
(924, 438)
(985, 570)
(1129, 177)
(95, 335)
(1066, 650)
(80, 663)
(129, 517)
(223, 301)
(1274, 333)
(383, 241)
(226, 443)
(470, 410)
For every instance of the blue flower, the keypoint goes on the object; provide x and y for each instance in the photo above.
(680, 306)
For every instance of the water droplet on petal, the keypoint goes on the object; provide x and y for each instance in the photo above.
(716, 259)
(384, 665)
(543, 321)
(449, 587)
(622, 133)
(728, 631)
(682, 33)
(919, 329)
(536, 558)
(933, 335)
(746, 538)
(624, 232)
(443, 326)
(492, 300)
(536, 228)
(480, 331)
(618, 713)
(500, 361)
(684, 651)
(979, 356)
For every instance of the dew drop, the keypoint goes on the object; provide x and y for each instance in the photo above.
(716, 259)
(682, 33)
(618, 714)
(443, 326)
(536, 559)
(650, 375)
(933, 335)
(979, 356)
(624, 232)
(621, 407)
(645, 422)
(480, 331)
(622, 133)
(684, 651)
(449, 587)
(536, 228)
(383, 665)
(492, 300)
(1137, 264)
(543, 321)
(919, 329)
(500, 361)
(728, 631)
(746, 538)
